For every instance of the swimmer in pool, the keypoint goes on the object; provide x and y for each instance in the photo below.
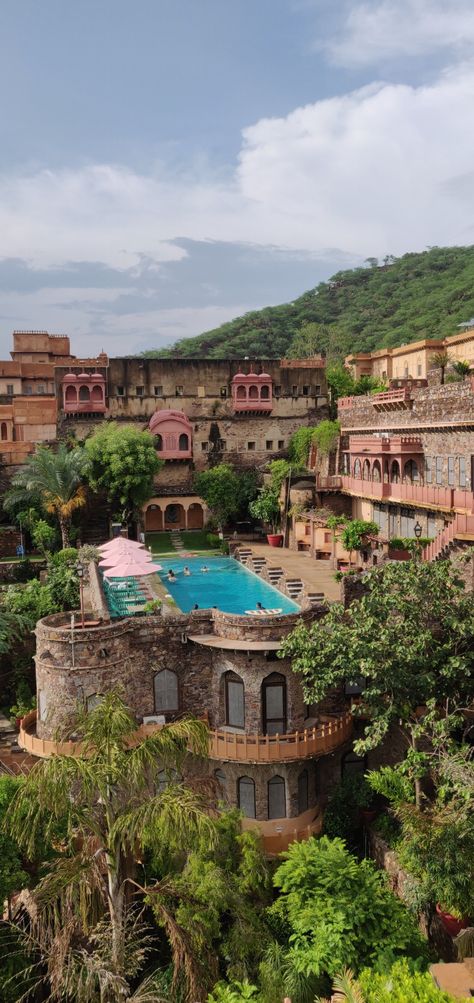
(186, 571)
(171, 575)
(204, 569)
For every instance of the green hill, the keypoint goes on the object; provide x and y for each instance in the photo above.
(403, 299)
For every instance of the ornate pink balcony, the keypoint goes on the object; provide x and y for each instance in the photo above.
(173, 435)
(84, 393)
(252, 392)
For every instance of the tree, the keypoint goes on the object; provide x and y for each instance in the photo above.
(123, 463)
(440, 360)
(57, 478)
(219, 488)
(267, 508)
(111, 807)
(354, 532)
(409, 637)
(338, 910)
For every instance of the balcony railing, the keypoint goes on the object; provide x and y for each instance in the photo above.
(241, 748)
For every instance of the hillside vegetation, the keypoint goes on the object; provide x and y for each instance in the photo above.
(383, 304)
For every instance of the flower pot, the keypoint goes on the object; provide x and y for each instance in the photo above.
(451, 923)
(275, 539)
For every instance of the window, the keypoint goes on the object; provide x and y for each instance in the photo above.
(462, 472)
(276, 798)
(166, 692)
(246, 796)
(317, 389)
(269, 444)
(305, 391)
(428, 469)
(294, 391)
(120, 392)
(10, 389)
(139, 391)
(303, 797)
(274, 704)
(250, 445)
(179, 391)
(235, 701)
(223, 392)
(439, 469)
(277, 390)
(158, 391)
(204, 447)
(281, 444)
(451, 471)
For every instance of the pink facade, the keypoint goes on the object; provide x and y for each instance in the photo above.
(173, 434)
(252, 392)
(84, 393)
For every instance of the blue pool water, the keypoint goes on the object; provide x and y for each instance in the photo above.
(227, 585)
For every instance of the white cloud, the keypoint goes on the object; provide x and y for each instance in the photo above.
(384, 169)
(392, 29)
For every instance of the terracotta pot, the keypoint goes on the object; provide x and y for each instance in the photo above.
(275, 539)
(451, 924)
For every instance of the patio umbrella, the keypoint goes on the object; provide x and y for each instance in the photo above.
(129, 568)
(113, 557)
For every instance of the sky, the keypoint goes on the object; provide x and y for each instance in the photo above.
(167, 165)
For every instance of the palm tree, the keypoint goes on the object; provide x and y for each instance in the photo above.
(56, 478)
(99, 811)
(440, 360)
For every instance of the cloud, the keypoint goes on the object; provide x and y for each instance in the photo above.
(383, 169)
(383, 30)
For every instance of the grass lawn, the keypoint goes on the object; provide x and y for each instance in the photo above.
(193, 539)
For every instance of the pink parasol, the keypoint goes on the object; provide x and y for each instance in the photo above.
(129, 568)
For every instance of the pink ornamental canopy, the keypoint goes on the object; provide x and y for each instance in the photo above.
(128, 568)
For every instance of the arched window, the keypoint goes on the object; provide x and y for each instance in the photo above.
(4, 430)
(410, 472)
(234, 701)
(352, 763)
(376, 472)
(395, 472)
(241, 394)
(303, 796)
(274, 704)
(264, 393)
(183, 442)
(357, 469)
(166, 692)
(366, 471)
(253, 393)
(246, 796)
(220, 778)
(84, 394)
(276, 798)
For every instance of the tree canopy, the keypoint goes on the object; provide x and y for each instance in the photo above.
(123, 463)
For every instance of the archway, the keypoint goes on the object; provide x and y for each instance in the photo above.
(175, 517)
(153, 519)
(195, 516)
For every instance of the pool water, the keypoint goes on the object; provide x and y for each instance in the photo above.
(227, 585)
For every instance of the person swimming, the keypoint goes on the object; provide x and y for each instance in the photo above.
(171, 575)
(186, 571)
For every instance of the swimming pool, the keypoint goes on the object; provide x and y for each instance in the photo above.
(227, 585)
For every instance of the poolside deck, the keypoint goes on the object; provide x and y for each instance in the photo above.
(318, 576)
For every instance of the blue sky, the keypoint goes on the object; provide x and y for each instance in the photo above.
(169, 164)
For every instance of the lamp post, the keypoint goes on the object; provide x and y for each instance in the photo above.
(80, 575)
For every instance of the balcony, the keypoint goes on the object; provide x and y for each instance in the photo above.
(240, 748)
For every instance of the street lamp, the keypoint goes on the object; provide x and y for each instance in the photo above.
(80, 575)
(418, 529)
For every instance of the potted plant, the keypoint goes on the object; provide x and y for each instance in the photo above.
(267, 508)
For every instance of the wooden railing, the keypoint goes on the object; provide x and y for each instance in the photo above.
(241, 748)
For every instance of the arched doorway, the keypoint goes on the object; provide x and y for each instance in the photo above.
(153, 519)
(195, 516)
(175, 517)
